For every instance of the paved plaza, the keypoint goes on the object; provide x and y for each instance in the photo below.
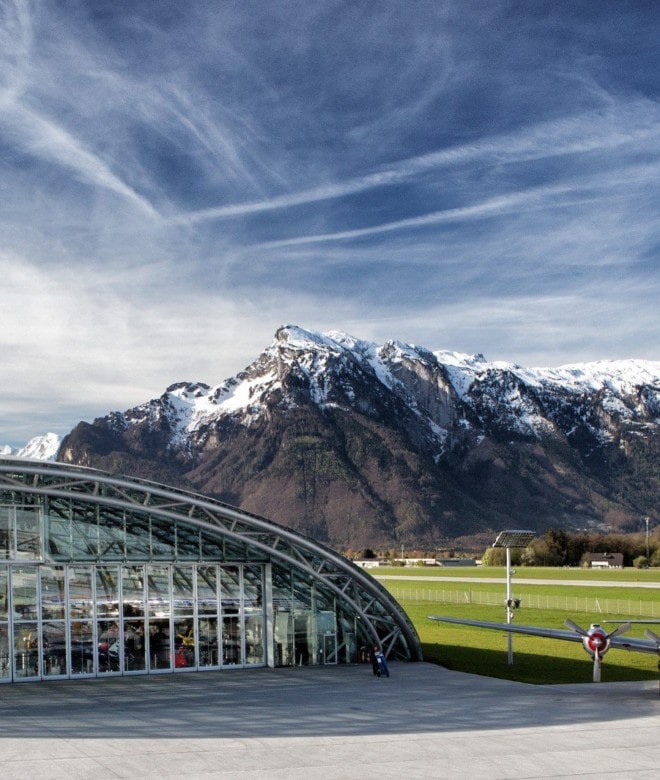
(323, 722)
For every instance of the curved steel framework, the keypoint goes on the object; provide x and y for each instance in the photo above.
(152, 523)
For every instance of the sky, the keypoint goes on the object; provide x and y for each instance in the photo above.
(179, 179)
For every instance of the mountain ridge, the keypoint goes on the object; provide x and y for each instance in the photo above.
(367, 445)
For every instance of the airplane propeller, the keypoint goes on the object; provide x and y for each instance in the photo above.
(596, 641)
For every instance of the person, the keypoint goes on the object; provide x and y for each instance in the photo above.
(382, 665)
(378, 663)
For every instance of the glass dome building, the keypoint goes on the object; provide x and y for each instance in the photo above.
(103, 575)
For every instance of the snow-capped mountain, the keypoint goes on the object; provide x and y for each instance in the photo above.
(39, 448)
(359, 443)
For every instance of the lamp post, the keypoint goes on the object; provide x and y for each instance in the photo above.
(509, 539)
(647, 541)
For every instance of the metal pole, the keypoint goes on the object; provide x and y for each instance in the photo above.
(647, 541)
(509, 611)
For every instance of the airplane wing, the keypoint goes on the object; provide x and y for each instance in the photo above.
(650, 645)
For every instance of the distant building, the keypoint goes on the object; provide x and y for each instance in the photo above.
(604, 560)
(456, 562)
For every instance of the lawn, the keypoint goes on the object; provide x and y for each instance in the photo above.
(536, 660)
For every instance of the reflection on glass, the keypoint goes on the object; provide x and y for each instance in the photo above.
(207, 590)
(159, 644)
(54, 648)
(158, 591)
(5, 659)
(112, 537)
(162, 540)
(6, 514)
(283, 637)
(84, 535)
(58, 537)
(28, 535)
(231, 640)
(107, 591)
(252, 587)
(4, 595)
(24, 591)
(254, 647)
(138, 538)
(208, 642)
(52, 592)
(109, 650)
(80, 592)
(132, 581)
(134, 646)
(26, 649)
(182, 590)
(187, 542)
(184, 643)
(82, 647)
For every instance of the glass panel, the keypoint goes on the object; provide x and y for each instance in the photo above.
(4, 594)
(283, 629)
(207, 590)
(53, 597)
(254, 648)
(208, 642)
(182, 590)
(184, 643)
(134, 646)
(108, 646)
(231, 640)
(159, 644)
(252, 586)
(58, 537)
(112, 537)
(28, 537)
(230, 588)
(24, 592)
(84, 534)
(138, 546)
(212, 548)
(163, 544)
(82, 647)
(54, 643)
(158, 591)
(81, 603)
(132, 582)
(26, 649)
(107, 591)
(326, 641)
(6, 533)
(5, 660)
(187, 542)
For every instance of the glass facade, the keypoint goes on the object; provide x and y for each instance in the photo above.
(96, 582)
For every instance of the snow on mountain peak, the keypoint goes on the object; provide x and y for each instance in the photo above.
(38, 448)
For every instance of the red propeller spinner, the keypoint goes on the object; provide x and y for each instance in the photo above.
(596, 641)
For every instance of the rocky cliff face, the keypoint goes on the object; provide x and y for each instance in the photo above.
(365, 445)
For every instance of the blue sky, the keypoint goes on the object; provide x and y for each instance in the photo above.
(179, 179)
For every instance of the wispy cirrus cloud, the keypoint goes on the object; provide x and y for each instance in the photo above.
(177, 180)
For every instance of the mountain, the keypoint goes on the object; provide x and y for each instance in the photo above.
(39, 448)
(364, 445)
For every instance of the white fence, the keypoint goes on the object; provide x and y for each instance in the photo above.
(629, 607)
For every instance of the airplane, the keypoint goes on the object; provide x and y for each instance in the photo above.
(595, 640)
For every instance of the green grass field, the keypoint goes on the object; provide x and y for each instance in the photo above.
(536, 660)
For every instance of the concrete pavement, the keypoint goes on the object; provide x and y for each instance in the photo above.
(324, 722)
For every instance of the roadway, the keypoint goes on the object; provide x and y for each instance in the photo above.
(327, 722)
(520, 581)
